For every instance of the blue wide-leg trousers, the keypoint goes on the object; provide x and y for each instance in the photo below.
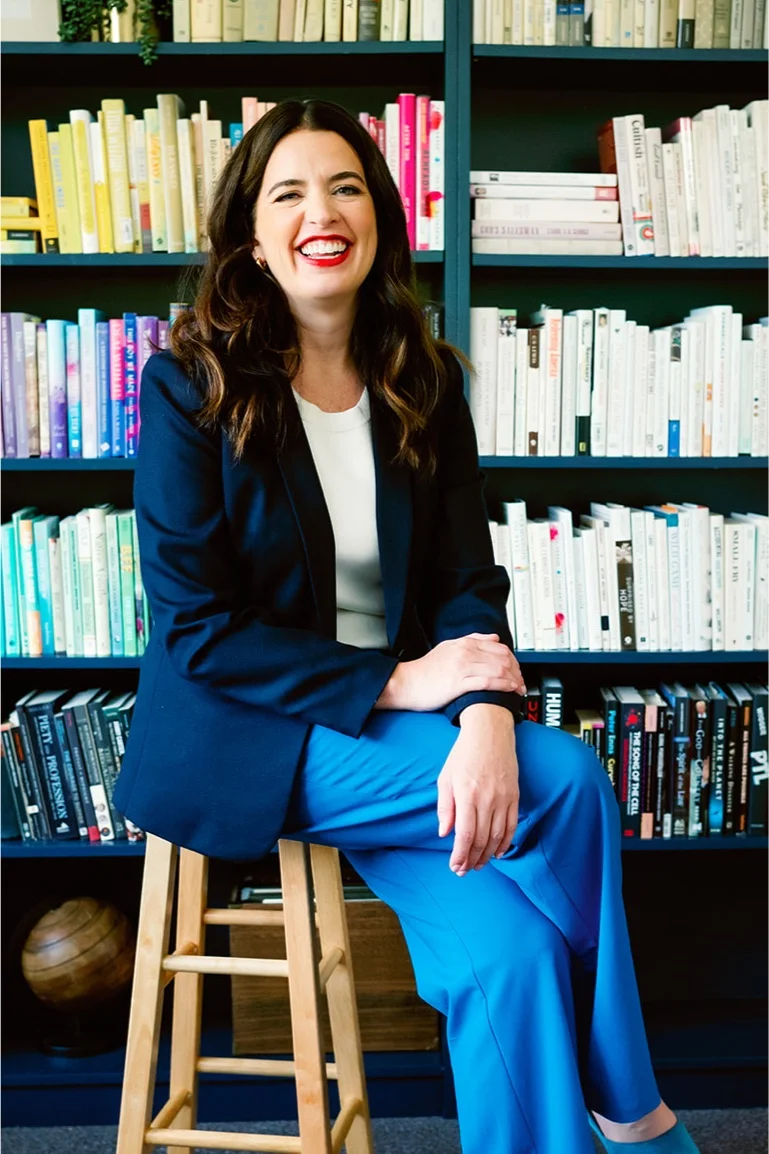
(529, 957)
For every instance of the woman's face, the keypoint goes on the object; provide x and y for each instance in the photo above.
(315, 224)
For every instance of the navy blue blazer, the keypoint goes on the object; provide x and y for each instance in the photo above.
(237, 560)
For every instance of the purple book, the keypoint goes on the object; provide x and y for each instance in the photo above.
(6, 386)
(19, 382)
(130, 378)
(57, 386)
(146, 344)
(162, 334)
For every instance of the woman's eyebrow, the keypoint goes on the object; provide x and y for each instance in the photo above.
(293, 180)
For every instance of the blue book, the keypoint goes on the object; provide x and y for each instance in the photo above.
(236, 134)
(103, 401)
(130, 385)
(10, 591)
(41, 530)
(74, 403)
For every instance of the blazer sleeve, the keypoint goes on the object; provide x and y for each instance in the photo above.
(466, 592)
(189, 571)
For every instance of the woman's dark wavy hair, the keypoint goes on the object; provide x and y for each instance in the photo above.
(239, 338)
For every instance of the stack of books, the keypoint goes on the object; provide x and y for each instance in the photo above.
(72, 586)
(126, 184)
(19, 224)
(593, 382)
(569, 213)
(675, 577)
(697, 187)
(611, 24)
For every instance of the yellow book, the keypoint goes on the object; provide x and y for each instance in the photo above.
(170, 108)
(133, 187)
(187, 175)
(80, 120)
(197, 140)
(117, 169)
(155, 179)
(8, 220)
(64, 221)
(41, 165)
(206, 21)
(18, 205)
(69, 180)
(101, 185)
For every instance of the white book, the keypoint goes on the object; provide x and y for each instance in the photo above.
(392, 119)
(718, 320)
(114, 593)
(86, 319)
(598, 211)
(484, 325)
(628, 387)
(675, 585)
(702, 332)
(750, 207)
(680, 195)
(671, 199)
(735, 26)
(651, 396)
(432, 20)
(540, 560)
(651, 580)
(584, 374)
(401, 20)
(416, 19)
(758, 118)
(710, 174)
(505, 382)
(597, 624)
(758, 387)
(520, 430)
(542, 192)
(746, 30)
(569, 371)
(531, 247)
(57, 596)
(639, 183)
(600, 394)
(651, 24)
(734, 369)
(560, 595)
(550, 322)
(686, 537)
(674, 391)
(563, 517)
(332, 20)
(65, 554)
(616, 389)
(534, 394)
(661, 582)
(313, 22)
(614, 521)
(756, 624)
(695, 385)
(738, 118)
(495, 21)
(85, 567)
(701, 576)
(717, 561)
(734, 592)
(600, 528)
(581, 592)
(515, 516)
(657, 190)
(500, 538)
(588, 179)
(181, 21)
(725, 160)
(516, 22)
(437, 174)
(640, 579)
(479, 22)
(544, 230)
(680, 132)
(638, 368)
(746, 397)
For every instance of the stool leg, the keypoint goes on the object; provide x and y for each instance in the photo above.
(340, 991)
(188, 990)
(147, 996)
(304, 997)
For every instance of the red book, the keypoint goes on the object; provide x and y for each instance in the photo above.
(407, 170)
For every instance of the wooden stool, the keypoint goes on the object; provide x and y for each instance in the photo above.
(175, 1123)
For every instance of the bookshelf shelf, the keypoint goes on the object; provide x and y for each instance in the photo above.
(93, 663)
(69, 849)
(655, 463)
(696, 264)
(139, 260)
(629, 55)
(67, 465)
(247, 49)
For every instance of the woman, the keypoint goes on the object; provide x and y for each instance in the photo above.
(331, 661)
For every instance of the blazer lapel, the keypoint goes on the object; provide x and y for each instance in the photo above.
(393, 514)
(306, 495)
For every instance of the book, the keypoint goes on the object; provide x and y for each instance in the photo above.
(77, 706)
(680, 702)
(759, 759)
(44, 193)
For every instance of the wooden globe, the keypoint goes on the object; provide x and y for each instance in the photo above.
(79, 955)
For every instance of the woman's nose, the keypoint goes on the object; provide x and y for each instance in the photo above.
(320, 209)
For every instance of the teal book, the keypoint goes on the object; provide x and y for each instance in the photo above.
(125, 545)
(28, 571)
(113, 586)
(8, 566)
(27, 511)
(141, 636)
(42, 529)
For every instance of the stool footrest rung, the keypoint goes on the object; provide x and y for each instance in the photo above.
(242, 967)
(351, 1107)
(224, 1140)
(249, 917)
(328, 964)
(259, 1067)
(166, 1115)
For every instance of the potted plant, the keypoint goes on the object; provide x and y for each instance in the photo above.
(94, 20)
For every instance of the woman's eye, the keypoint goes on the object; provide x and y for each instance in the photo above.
(346, 188)
(285, 196)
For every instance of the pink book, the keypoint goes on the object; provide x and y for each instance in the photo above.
(407, 169)
(364, 119)
(423, 172)
(117, 386)
(380, 135)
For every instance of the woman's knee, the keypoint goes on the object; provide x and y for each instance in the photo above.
(559, 761)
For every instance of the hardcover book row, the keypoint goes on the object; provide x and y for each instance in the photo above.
(622, 23)
(305, 20)
(665, 578)
(72, 586)
(61, 753)
(121, 183)
(593, 382)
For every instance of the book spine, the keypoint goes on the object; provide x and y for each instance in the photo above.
(93, 771)
(117, 387)
(643, 222)
(64, 222)
(407, 164)
(107, 765)
(759, 762)
(33, 782)
(699, 767)
(28, 569)
(44, 192)
(130, 384)
(113, 585)
(681, 754)
(10, 445)
(51, 762)
(718, 743)
(88, 396)
(613, 739)
(69, 776)
(81, 776)
(14, 779)
(29, 338)
(40, 530)
(101, 192)
(74, 404)
(85, 566)
(57, 594)
(98, 529)
(117, 167)
(80, 119)
(168, 111)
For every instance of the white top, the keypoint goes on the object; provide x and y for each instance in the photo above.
(344, 458)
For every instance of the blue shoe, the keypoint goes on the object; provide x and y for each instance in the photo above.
(677, 1140)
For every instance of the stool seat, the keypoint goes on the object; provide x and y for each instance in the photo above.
(310, 973)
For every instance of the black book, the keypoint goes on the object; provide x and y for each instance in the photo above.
(14, 781)
(125, 712)
(33, 786)
(81, 776)
(732, 766)
(41, 709)
(611, 733)
(663, 814)
(534, 704)
(78, 707)
(700, 762)
(10, 813)
(654, 763)
(745, 705)
(552, 702)
(626, 591)
(109, 769)
(718, 744)
(679, 700)
(632, 717)
(71, 777)
(759, 759)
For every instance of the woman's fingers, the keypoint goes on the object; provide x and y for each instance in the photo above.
(464, 836)
(510, 828)
(481, 839)
(446, 806)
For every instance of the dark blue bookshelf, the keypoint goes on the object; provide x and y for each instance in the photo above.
(627, 55)
(645, 463)
(94, 663)
(167, 48)
(140, 260)
(67, 465)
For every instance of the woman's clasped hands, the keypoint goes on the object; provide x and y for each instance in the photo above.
(478, 785)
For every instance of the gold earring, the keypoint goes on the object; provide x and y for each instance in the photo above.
(262, 263)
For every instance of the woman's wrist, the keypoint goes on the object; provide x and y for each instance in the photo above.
(482, 714)
(392, 695)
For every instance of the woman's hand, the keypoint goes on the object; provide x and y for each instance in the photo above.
(478, 788)
(476, 662)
